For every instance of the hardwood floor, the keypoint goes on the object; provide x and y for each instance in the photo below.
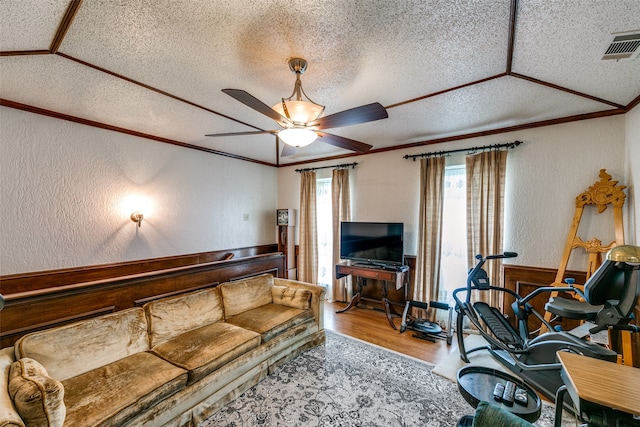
(371, 325)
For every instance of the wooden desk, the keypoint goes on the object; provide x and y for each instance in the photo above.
(592, 381)
(399, 278)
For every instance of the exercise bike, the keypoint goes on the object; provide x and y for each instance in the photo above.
(534, 359)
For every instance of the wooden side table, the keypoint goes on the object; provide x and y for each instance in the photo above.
(597, 385)
(397, 277)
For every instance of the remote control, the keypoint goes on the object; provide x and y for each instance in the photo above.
(509, 392)
(498, 391)
(521, 396)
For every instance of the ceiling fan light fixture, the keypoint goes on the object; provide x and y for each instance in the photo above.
(295, 108)
(300, 112)
(297, 137)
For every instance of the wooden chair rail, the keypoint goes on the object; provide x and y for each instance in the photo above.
(24, 282)
(57, 291)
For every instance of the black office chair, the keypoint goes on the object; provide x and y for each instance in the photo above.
(610, 294)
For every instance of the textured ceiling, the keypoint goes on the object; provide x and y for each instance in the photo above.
(442, 68)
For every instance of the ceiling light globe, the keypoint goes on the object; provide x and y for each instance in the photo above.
(300, 111)
(297, 137)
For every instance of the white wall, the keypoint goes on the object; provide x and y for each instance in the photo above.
(65, 193)
(632, 163)
(63, 186)
(545, 174)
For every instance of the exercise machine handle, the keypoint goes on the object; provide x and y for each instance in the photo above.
(502, 255)
(543, 289)
(473, 273)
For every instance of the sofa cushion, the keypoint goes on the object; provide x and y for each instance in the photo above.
(170, 317)
(80, 347)
(8, 414)
(38, 398)
(271, 320)
(296, 298)
(243, 295)
(116, 392)
(203, 350)
(318, 294)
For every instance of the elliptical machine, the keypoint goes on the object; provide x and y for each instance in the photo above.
(534, 360)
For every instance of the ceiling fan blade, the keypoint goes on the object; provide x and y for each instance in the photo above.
(342, 142)
(252, 132)
(251, 101)
(288, 150)
(362, 114)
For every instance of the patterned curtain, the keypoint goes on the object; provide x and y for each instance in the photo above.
(485, 213)
(427, 277)
(341, 210)
(308, 258)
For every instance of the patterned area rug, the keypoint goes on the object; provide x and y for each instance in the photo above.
(348, 382)
(452, 364)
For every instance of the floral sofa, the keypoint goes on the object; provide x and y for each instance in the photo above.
(174, 361)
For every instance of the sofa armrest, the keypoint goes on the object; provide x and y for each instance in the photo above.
(318, 294)
(8, 414)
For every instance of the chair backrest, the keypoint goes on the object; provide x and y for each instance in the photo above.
(616, 285)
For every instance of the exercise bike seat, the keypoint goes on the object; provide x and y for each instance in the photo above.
(498, 325)
(572, 308)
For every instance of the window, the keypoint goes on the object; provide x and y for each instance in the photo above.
(325, 232)
(453, 256)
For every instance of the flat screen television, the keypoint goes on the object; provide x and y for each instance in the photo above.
(372, 242)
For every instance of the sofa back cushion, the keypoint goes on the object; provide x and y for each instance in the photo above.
(170, 317)
(74, 349)
(243, 295)
(290, 297)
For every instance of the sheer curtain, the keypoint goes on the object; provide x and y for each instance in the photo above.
(453, 254)
(326, 271)
(427, 279)
(308, 258)
(485, 211)
(341, 210)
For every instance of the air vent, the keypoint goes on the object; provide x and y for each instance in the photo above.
(623, 46)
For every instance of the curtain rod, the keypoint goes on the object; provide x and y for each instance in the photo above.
(342, 166)
(470, 150)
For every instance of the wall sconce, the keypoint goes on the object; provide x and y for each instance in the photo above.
(137, 217)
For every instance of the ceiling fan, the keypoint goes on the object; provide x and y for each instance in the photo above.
(301, 120)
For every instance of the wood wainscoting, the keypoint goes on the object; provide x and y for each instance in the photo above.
(40, 300)
(524, 280)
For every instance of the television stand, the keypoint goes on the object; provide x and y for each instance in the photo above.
(397, 275)
(368, 264)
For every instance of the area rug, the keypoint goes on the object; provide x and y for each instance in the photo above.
(449, 367)
(347, 383)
